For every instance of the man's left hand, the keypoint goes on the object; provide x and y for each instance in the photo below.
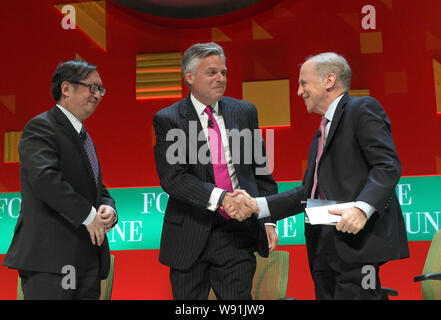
(352, 219)
(272, 236)
(107, 215)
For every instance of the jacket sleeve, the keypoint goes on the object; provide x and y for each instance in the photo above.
(39, 162)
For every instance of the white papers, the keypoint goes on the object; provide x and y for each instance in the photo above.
(317, 211)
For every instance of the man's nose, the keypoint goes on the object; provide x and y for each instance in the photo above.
(300, 91)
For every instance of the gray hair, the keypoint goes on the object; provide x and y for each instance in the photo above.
(330, 62)
(192, 56)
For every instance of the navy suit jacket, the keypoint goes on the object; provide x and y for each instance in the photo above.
(359, 163)
(58, 189)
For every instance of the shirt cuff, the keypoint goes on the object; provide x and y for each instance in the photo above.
(365, 207)
(263, 207)
(271, 224)
(90, 217)
(214, 199)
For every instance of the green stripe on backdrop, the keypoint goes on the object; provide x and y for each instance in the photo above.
(141, 213)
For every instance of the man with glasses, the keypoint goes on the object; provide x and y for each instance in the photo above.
(60, 245)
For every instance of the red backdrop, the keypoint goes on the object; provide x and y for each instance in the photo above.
(400, 77)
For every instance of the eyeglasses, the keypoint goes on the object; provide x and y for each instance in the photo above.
(92, 87)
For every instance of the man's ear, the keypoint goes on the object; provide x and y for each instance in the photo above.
(330, 80)
(189, 76)
(66, 88)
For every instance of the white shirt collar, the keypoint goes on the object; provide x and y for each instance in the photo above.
(200, 107)
(75, 122)
(329, 114)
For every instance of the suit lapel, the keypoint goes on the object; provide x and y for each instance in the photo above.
(190, 116)
(339, 110)
(72, 134)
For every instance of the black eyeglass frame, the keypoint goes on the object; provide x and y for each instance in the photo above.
(92, 87)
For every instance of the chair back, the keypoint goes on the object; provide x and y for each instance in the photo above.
(431, 289)
(270, 280)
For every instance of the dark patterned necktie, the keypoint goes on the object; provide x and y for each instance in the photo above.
(90, 151)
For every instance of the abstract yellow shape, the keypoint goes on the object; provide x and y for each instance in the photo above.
(271, 99)
(371, 42)
(395, 82)
(437, 80)
(91, 19)
(217, 35)
(9, 102)
(438, 165)
(281, 12)
(260, 72)
(432, 42)
(12, 139)
(158, 75)
(352, 19)
(260, 33)
(359, 92)
(388, 3)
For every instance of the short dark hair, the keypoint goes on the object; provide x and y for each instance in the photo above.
(72, 71)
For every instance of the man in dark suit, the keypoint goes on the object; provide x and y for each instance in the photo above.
(60, 245)
(202, 246)
(352, 158)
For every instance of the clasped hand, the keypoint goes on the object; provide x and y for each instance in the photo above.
(101, 224)
(239, 205)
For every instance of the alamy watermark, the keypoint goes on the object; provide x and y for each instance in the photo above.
(246, 147)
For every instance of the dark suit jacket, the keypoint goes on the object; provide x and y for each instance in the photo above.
(187, 221)
(58, 190)
(359, 163)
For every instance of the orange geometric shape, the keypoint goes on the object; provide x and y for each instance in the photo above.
(359, 92)
(261, 72)
(352, 19)
(9, 102)
(437, 84)
(395, 82)
(281, 12)
(432, 42)
(438, 165)
(260, 33)
(371, 42)
(271, 99)
(388, 3)
(158, 75)
(217, 35)
(91, 19)
(12, 139)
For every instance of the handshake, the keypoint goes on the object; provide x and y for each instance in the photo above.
(239, 205)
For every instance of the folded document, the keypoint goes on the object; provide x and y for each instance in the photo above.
(317, 210)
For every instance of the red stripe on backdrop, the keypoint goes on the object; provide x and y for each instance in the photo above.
(140, 276)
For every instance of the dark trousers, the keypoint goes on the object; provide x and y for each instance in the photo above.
(334, 278)
(227, 264)
(51, 286)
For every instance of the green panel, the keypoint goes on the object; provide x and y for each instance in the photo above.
(141, 213)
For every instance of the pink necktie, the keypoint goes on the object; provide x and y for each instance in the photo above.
(220, 168)
(321, 143)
